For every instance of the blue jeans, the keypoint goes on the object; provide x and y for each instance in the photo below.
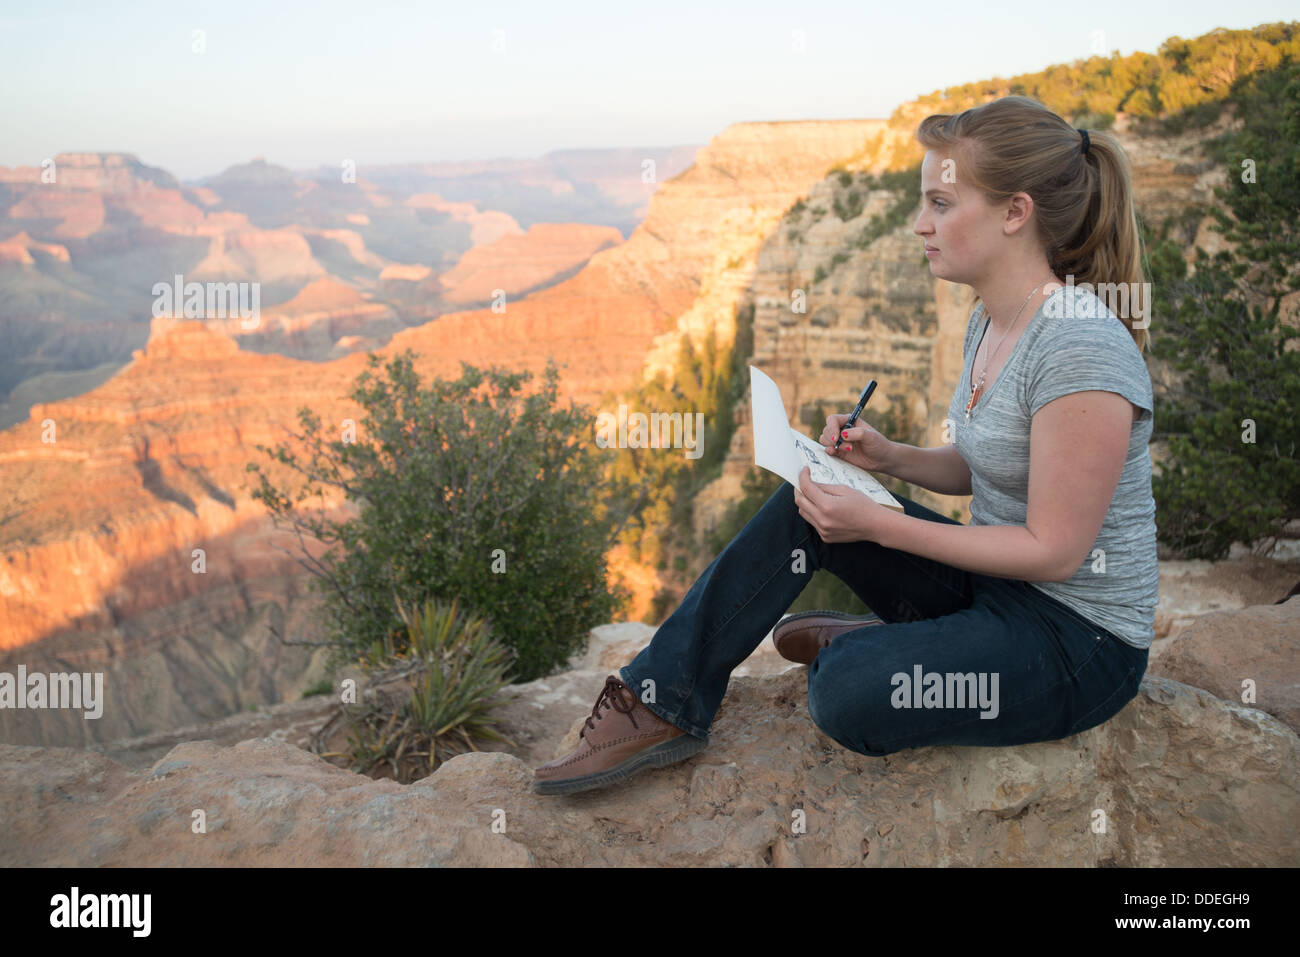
(963, 658)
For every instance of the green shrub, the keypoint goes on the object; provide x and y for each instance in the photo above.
(324, 686)
(905, 185)
(465, 489)
(850, 208)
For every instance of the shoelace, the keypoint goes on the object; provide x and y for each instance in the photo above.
(612, 693)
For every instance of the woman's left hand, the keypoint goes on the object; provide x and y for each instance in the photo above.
(837, 512)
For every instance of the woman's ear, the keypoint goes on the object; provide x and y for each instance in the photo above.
(1019, 210)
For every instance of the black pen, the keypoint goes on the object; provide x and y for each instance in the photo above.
(862, 404)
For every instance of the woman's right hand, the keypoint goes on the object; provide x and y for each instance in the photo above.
(863, 446)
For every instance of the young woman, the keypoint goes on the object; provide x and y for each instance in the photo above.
(1034, 621)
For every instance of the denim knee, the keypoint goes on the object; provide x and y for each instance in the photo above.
(826, 707)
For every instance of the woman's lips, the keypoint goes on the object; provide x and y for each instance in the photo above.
(931, 251)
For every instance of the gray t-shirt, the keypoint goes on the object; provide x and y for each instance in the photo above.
(1073, 343)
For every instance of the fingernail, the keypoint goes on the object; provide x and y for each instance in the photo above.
(845, 433)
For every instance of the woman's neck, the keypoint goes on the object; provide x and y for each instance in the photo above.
(1005, 295)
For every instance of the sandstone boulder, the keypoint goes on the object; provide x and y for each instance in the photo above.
(1220, 651)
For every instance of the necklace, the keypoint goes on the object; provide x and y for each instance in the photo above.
(979, 386)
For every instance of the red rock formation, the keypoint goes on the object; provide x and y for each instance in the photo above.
(404, 273)
(140, 471)
(266, 255)
(330, 310)
(86, 184)
(353, 243)
(486, 226)
(18, 249)
(321, 295)
(80, 213)
(519, 263)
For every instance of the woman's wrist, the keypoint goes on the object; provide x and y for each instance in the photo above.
(892, 460)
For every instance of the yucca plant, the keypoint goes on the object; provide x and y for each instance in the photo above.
(457, 670)
(461, 669)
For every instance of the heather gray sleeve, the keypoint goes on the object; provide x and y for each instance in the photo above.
(1082, 353)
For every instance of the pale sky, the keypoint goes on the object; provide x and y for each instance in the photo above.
(305, 84)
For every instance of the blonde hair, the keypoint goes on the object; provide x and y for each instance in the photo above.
(1083, 203)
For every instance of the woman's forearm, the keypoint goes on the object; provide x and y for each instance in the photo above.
(1003, 551)
(941, 470)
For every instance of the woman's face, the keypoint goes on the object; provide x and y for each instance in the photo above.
(958, 222)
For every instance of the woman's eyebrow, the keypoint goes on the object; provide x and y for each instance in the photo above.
(941, 191)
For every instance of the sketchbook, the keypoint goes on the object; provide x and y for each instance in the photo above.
(780, 448)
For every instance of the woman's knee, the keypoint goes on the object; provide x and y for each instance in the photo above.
(850, 740)
(852, 720)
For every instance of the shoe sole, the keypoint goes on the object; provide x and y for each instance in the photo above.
(826, 613)
(780, 631)
(663, 753)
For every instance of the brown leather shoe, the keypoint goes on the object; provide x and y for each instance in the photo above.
(621, 737)
(800, 637)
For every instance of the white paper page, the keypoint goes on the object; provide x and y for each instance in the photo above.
(773, 449)
(783, 449)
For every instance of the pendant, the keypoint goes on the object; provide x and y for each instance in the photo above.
(974, 394)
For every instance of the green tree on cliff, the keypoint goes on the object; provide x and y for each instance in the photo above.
(1233, 420)
(466, 490)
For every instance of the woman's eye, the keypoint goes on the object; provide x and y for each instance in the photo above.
(939, 202)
